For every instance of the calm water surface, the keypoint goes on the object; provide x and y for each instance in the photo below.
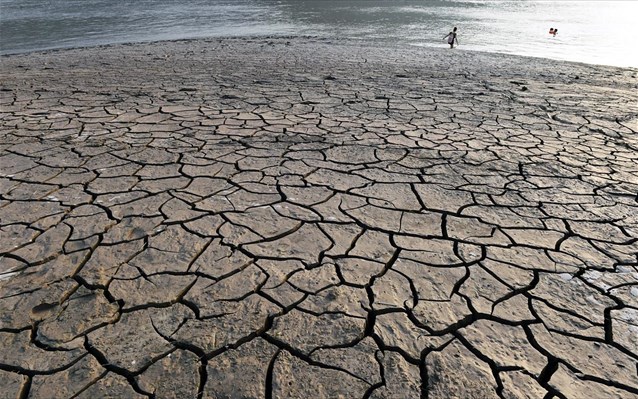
(600, 32)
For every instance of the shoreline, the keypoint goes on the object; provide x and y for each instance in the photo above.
(298, 218)
(438, 62)
(341, 41)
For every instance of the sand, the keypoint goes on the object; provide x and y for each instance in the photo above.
(300, 218)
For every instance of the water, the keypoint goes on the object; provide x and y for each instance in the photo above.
(598, 32)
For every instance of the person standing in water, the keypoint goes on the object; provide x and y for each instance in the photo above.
(451, 38)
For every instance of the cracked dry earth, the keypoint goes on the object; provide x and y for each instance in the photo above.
(301, 219)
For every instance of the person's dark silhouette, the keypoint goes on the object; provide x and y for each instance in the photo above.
(451, 38)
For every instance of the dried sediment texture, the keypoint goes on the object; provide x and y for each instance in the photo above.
(291, 218)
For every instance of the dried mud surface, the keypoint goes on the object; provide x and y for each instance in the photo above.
(292, 218)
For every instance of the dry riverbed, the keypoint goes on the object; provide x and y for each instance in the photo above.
(294, 218)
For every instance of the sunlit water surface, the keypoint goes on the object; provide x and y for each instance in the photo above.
(598, 32)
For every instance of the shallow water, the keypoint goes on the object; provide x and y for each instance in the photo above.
(599, 32)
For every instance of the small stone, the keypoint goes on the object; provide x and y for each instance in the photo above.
(566, 276)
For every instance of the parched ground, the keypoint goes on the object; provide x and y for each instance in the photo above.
(292, 218)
